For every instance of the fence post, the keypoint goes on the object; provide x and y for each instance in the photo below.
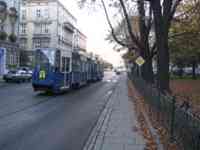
(159, 106)
(198, 142)
(172, 118)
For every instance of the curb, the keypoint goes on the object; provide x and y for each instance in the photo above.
(149, 124)
(102, 121)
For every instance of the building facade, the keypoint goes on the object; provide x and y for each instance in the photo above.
(80, 41)
(9, 33)
(7, 27)
(46, 24)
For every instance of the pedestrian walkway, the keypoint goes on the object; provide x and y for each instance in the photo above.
(118, 130)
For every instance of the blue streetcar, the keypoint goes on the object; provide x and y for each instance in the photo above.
(55, 71)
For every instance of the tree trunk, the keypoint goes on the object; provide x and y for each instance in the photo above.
(161, 32)
(194, 70)
(180, 72)
(146, 69)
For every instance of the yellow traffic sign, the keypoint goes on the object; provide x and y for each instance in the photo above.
(140, 61)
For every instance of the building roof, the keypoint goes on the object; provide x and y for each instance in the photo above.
(58, 1)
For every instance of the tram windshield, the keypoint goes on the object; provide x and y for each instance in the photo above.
(45, 58)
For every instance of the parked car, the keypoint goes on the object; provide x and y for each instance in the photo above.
(27, 69)
(17, 76)
(117, 72)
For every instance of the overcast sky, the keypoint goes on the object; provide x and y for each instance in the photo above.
(94, 26)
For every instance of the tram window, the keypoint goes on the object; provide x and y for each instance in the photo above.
(65, 64)
(82, 66)
(57, 61)
(76, 65)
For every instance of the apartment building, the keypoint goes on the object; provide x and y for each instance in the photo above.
(47, 23)
(80, 40)
(9, 33)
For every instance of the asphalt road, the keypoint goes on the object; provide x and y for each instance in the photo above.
(36, 121)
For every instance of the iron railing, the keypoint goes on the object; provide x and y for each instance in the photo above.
(180, 123)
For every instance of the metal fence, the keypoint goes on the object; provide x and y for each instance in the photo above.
(182, 126)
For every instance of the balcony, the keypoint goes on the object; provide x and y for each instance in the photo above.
(23, 35)
(41, 35)
(9, 45)
(68, 26)
(42, 20)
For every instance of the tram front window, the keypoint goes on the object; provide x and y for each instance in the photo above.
(45, 58)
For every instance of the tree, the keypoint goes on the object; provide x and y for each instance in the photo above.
(185, 44)
(3, 15)
(131, 40)
(13, 18)
(163, 12)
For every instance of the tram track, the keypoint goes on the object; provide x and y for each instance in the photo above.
(25, 107)
(34, 120)
(21, 104)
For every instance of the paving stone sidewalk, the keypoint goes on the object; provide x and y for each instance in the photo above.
(118, 130)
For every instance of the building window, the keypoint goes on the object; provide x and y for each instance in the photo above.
(11, 59)
(46, 28)
(23, 14)
(23, 28)
(38, 28)
(38, 13)
(23, 2)
(59, 40)
(45, 43)
(41, 28)
(23, 43)
(2, 28)
(46, 13)
(65, 64)
(37, 43)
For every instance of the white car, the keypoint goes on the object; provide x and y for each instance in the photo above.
(17, 76)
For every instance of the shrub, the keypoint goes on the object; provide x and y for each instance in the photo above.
(13, 38)
(12, 66)
(3, 35)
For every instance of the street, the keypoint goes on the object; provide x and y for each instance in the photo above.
(37, 121)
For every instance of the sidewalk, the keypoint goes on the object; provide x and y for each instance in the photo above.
(117, 125)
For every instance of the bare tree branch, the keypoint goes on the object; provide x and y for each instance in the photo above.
(111, 27)
(150, 22)
(133, 38)
(167, 5)
(191, 10)
(173, 9)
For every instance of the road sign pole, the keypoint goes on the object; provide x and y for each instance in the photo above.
(140, 61)
(140, 71)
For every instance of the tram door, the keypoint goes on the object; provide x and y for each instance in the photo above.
(65, 70)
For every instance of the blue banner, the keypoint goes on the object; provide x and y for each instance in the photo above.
(2, 61)
(2, 52)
